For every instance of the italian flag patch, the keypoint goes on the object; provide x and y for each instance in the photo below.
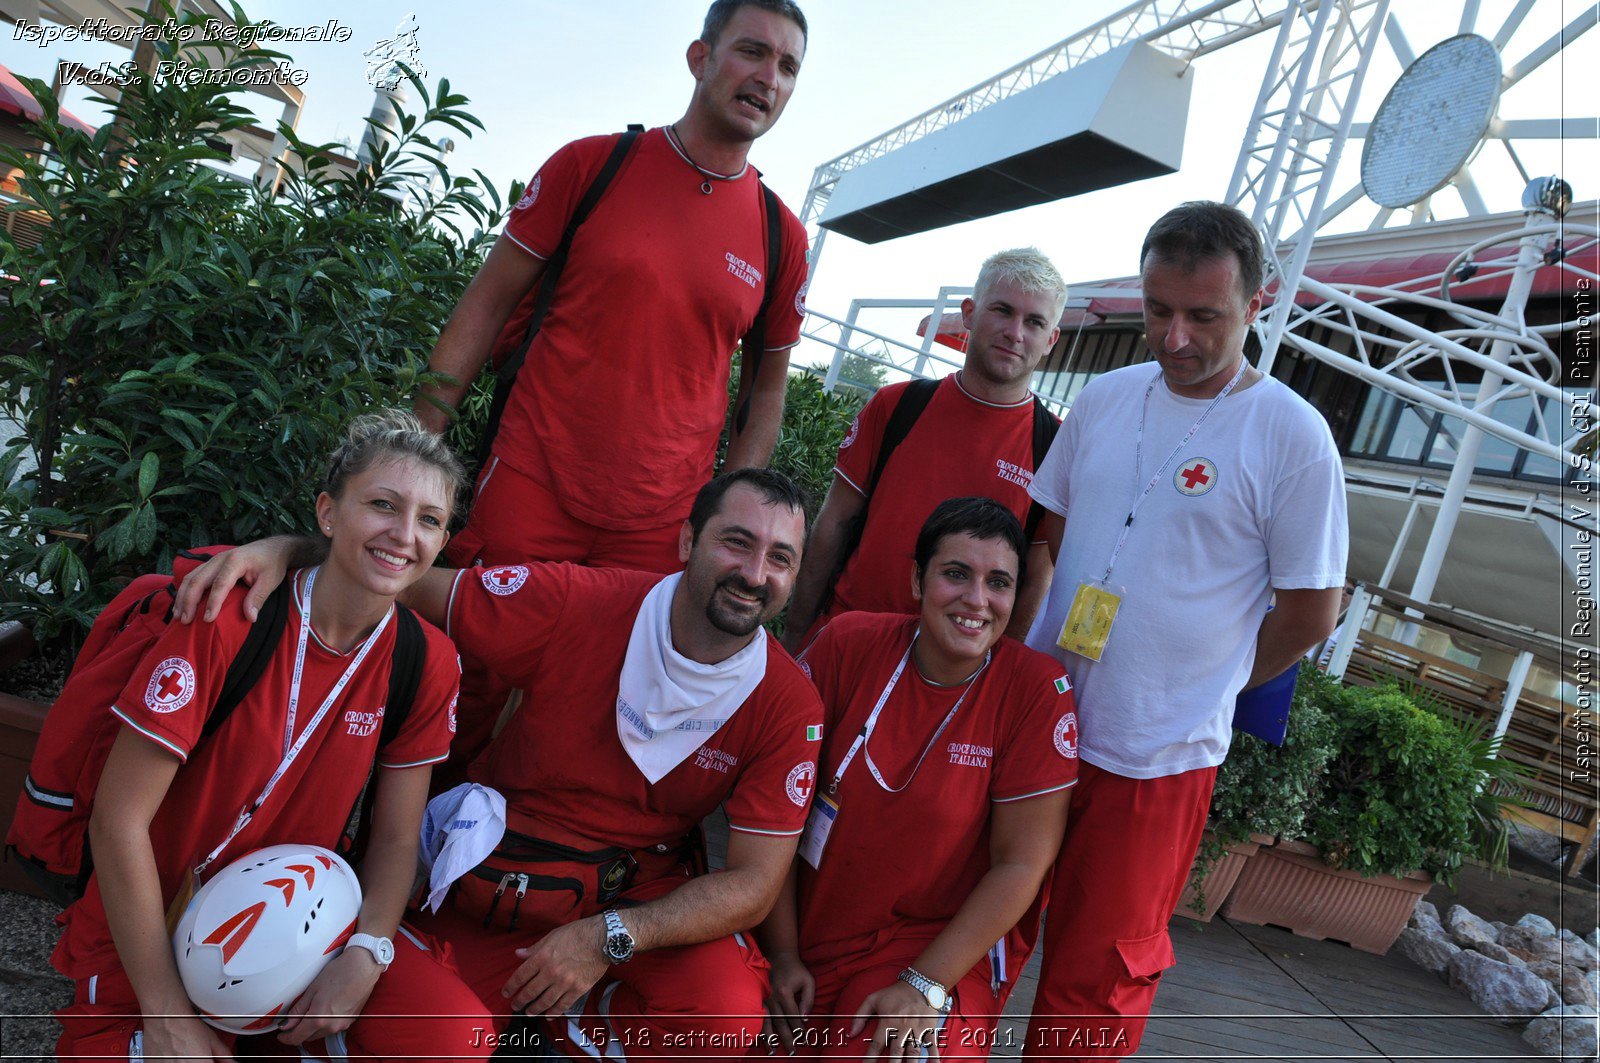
(1062, 685)
(814, 733)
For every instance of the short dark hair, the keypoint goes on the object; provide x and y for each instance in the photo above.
(1200, 229)
(981, 518)
(776, 489)
(721, 13)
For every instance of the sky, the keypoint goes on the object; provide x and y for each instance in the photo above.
(544, 72)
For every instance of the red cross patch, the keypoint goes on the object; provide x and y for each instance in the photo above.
(1066, 735)
(1195, 476)
(171, 686)
(802, 780)
(507, 579)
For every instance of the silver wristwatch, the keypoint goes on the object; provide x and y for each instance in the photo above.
(382, 949)
(937, 996)
(619, 943)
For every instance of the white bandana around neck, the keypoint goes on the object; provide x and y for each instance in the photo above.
(668, 705)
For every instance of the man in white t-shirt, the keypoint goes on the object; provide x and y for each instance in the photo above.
(1194, 494)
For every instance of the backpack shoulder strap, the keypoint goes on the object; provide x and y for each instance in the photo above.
(251, 660)
(912, 402)
(754, 343)
(551, 277)
(1045, 427)
(405, 673)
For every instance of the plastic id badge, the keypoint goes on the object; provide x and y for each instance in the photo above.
(824, 809)
(1088, 626)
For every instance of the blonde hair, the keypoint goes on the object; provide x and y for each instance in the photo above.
(389, 433)
(1029, 269)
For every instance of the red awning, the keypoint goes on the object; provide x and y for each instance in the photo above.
(16, 99)
(1391, 272)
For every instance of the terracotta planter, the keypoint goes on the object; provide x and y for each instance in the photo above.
(1288, 885)
(1219, 881)
(20, 720)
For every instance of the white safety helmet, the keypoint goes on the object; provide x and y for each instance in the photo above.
(256, 935)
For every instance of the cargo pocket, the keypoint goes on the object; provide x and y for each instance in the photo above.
(1145, 958)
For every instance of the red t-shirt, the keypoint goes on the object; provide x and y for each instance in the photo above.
(622, 399)
(959, 446)
(167, 700)
(561, 632)
(898, 866)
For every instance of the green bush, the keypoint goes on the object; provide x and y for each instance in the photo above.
(183, 347)
(1267, 789)
(1401, 789)
(814, 422)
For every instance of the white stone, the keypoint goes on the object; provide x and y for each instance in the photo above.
(1593, 940)
(1576, 987)
(1425, 917)
(1510, 993)
(1501, 953)
(1532, 945)
(1431, 952)
(1568, 1031)
(1537, 922)
(1466, 929)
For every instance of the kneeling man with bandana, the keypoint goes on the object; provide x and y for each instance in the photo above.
(648, 703)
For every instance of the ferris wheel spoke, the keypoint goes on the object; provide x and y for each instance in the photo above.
(1512, 24)
(1552, 46)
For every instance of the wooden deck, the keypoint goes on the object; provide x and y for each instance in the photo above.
(1258, 993)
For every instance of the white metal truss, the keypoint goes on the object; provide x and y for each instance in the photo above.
(1181, 28)
(1297, 134)
(1393, 353)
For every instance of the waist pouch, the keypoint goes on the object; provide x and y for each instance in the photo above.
(567, 880)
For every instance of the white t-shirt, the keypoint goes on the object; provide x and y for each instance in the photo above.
(1255, 501)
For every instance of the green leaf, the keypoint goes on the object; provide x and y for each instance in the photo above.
(149, 469)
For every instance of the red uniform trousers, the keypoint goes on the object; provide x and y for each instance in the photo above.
(516, 519)
(667, 1004)
(419, 1010)
(968, 1032)
(1124, 861)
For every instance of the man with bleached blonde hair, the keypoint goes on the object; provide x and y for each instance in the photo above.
(978, 431)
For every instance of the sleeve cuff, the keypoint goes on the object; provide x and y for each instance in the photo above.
(773, 833)
(413, 763)
(542, 258)
(1033, 793)
(841, 474)
(160, 740)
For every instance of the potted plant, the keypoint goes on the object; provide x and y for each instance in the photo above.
(1404, 800)
(1262, 791)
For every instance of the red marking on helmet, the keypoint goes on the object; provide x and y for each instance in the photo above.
(267, 1020)
(325, 861)
(344, 936)
(284, 884)
(233, 933)
(309, 872)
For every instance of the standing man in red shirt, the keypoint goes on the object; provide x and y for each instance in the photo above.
(613, 421)
(976, 437)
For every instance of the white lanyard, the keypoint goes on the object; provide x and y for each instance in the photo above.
(872, 723)
(1138, 455)
(292, 746)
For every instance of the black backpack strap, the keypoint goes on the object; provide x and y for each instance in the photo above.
(1045, 427)
(553, 267)
(405, 673)
(913, 400)
(252, 659)
(754, 343)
